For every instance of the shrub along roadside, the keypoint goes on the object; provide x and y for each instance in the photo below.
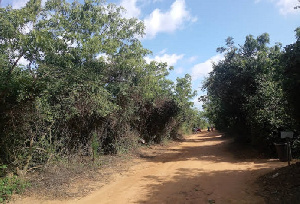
(85, 88)
(9, 185)
(252, 93)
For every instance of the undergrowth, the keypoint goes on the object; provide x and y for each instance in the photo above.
(10, 184)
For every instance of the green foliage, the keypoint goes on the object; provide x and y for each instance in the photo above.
(85, 88)
(9, 185)
(291, 79)
(95, 145)
(194, 119)
(297, 30)
(245, 93)
(184, 94)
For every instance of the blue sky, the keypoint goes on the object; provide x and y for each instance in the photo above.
(186, 33)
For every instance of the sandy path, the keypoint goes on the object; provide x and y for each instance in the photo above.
(199, 170)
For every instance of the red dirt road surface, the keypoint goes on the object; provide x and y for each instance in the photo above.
(201, 169)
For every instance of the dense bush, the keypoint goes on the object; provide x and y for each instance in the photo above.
(253, 92)
(85, 87)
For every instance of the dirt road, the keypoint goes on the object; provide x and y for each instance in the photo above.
(199, 170)
(202, 169)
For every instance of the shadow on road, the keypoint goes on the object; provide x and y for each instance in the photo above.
(213, 172)
(198, 186)
(209, 146)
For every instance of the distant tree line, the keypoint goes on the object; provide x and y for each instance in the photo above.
(254, 93)
(73, 80)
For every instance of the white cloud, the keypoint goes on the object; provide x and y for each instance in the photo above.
(169, 21)
(103, 56)
(202, 69)
(27, 28)
(285, 6)
(23, 61)
(197, 104)
(131, 8)
(163, 51)
(171, 60)
(17, 4)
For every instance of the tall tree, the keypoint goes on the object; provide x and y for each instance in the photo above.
(245, 96)
(73, 78)
(291, 77)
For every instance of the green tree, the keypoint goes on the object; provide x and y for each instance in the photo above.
(291, 77)
(183, 95)
(245, 95)
(63, 91)
(85, 86)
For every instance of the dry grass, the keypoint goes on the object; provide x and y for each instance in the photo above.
(281, 185)
(76, 177)
(79, 176)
